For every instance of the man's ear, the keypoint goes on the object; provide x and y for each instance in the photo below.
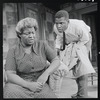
(19, 36)
(68, 20)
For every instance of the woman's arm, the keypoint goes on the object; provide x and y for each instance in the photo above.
(53, 66)
(14, 78)
(51, 56)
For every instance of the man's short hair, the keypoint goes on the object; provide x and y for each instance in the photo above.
(62, 13)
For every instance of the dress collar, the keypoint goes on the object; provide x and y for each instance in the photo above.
(33, 48)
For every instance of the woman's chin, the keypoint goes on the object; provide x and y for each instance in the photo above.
(29, 43)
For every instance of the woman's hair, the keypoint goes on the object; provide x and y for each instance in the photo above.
(26, 23)
(62, 13)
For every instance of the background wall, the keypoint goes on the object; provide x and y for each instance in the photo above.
(13, 12)
(9, 23)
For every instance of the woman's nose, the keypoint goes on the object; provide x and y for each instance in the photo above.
(31, 35)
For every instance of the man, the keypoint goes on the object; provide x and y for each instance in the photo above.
(73, 41)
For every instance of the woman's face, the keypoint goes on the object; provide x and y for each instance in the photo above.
(61, 24)
(28, 36)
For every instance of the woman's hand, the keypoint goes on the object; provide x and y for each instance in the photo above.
(43, 78)
(35, 86)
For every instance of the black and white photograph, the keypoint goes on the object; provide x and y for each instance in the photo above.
(50, 49)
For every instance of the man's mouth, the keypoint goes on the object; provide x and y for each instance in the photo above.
(60, 30)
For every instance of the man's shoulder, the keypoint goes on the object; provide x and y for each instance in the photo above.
(77, 24)
(75, 21)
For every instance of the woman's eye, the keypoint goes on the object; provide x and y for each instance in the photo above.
(26, 33)
(33, 33)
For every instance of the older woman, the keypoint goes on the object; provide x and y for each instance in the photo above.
(26, 64)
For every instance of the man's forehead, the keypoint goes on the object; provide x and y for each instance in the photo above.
(60, 19)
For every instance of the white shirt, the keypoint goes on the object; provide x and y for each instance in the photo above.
(77, 31)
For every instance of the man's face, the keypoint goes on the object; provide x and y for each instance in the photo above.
(61, 24)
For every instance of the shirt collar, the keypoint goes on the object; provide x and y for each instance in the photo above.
(66, 31)
(35, 48)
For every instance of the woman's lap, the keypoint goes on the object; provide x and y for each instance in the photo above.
(15, 91)
(45, 93)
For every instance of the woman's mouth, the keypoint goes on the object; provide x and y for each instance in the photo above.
(31, 40)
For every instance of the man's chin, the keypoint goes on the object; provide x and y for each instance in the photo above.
(60, 31)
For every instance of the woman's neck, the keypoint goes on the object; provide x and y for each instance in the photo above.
(25, 45)
(27, 48)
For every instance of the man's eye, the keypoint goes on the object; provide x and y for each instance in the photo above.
(59, 23)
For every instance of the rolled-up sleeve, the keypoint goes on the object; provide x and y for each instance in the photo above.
(85, 37)
(10, 61)
(49, 52)
(83, 33)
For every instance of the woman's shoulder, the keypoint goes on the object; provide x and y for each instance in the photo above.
(40, 45)
(14, 48)
(40, 42)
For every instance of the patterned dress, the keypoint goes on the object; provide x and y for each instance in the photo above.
(29, 67)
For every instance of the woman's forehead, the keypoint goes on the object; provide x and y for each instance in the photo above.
(29, 29)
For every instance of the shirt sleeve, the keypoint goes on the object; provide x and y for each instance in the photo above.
(10, 61)
(83, 33)
(49, 52)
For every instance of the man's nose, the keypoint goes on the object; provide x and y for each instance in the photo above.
(59, 25)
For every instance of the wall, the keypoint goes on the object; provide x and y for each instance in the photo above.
(13, 12)
(49, 22)
(9, 23)
(77, 9)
